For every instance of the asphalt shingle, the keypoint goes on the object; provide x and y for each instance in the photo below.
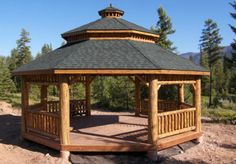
(111, 54)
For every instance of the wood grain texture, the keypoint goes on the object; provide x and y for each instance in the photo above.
(152, 115)
(198, 104)
(24, 104)
(64, 111)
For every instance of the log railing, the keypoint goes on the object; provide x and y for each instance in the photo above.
(77, 107)
(175, 122)
(164, 106)
(44, 119)
(53, 106)
(43, 122)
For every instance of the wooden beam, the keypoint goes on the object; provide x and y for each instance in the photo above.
(110, 72)
(198, 104)
(176, 82)
(177, 139)
(137, 97)
(64, 111)
(113, 31)
(42, 140)
(137, 147)
(143, 81)
(24, 104)
(88, 95)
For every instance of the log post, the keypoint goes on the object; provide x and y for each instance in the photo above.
(152, 118)
(137, 97)
(88, 95)
(197, 100)
(24, 104)
(198, 104)
(181, 93)
(44, 95)
(64, 111)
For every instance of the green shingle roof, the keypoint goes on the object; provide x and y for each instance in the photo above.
(111, 54)
(108, 24)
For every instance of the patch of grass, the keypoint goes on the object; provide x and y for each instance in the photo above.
(220, 114)
(224, 113)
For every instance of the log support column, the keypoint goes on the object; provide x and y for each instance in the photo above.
(152, 118)
(64, 114)
(24, 104)
(88, 95)
(181, 93)
(197, 100)
(137, 97)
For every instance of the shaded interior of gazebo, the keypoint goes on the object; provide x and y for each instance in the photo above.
(110, 46)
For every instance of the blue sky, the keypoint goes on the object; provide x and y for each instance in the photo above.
(47, 19)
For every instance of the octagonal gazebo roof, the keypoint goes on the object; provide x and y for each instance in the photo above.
(107, 45)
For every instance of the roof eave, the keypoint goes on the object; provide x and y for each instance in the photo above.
(111, 72)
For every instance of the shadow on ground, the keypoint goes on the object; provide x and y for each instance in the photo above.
(166, 157)
(10, 135)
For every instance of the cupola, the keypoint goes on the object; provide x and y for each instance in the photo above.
(111, 12)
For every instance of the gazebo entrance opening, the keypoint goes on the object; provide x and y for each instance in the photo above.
(46, 121)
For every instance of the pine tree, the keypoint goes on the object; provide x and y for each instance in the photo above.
(233, 45)
(232, 83)
(6, 84)
(23, 53)
(210, 44)
(12, 60)
(191, 59)
(163, 29)
(46, 48)
(23, 49)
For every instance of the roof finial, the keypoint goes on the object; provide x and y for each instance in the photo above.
(110, 5)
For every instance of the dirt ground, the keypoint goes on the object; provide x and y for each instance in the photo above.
(218, 146)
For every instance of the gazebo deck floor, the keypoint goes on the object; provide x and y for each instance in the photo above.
(114, 132)
(109, 132)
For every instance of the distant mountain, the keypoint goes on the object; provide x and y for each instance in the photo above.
(196, 55)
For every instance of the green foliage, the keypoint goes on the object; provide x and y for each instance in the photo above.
(6, 84)
(188, 94)
(77, 91)
(224, 111)
(163, 29)
(20, 55)
(46, 48)
(218, 77)
(210, 41)
(12, 60)
(232, 83)
(13, 98)
(34, 94)
(233, 15)
(114, 92)
(23, 49)
(168, 92)
(210, 56)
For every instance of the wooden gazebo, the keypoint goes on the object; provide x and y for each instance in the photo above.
(110, 46)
